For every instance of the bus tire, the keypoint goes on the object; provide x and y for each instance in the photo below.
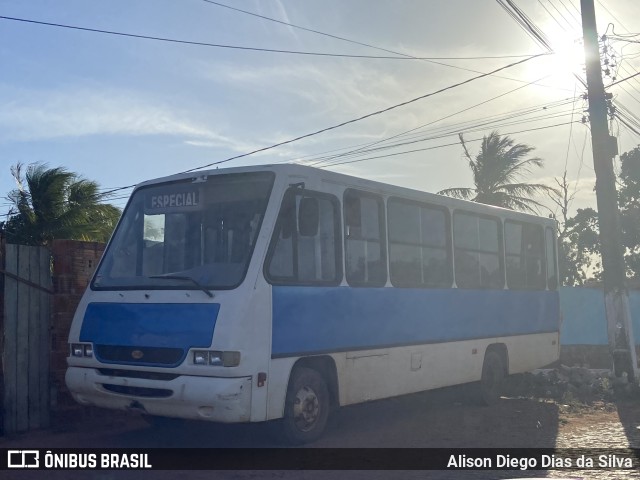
(307, 405)
(492, 378)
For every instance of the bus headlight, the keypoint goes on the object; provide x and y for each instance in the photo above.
(81, 350)
(200, 358)
(216, 358)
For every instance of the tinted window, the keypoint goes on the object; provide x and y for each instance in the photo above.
(524, 256)
(305, 255)
(419, 254)
(365, 249)
(477, 251)
(202, 232)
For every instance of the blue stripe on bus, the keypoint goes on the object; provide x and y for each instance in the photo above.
(169, 325)
(329, 319)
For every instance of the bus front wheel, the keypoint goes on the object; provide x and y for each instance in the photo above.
(306, 406)
(492, 378)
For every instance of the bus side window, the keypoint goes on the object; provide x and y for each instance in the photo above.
(478, 254)
(419, 244)
(365, 249)
(305, 250)
(524, 256)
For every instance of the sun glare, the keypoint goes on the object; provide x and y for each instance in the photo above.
(567, 60)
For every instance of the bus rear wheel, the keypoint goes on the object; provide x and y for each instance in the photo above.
(492, 379)
(306, 407)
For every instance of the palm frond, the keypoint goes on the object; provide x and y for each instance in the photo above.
(463, 193)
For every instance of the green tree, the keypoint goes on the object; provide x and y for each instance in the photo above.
(581, 248)
(629, 203)
(497, 171)
(53, 203)
(581, 242)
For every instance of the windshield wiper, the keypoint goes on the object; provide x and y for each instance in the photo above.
(184, 277)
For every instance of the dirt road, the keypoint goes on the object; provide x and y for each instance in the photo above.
(447, 418)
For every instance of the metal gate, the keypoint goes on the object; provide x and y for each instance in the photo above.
(26, 337)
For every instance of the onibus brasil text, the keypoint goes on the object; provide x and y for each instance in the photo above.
(92, 460)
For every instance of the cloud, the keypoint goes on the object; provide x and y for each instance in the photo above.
(280, 13)
(44, 115)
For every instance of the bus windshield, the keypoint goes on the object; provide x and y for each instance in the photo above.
(187, 234)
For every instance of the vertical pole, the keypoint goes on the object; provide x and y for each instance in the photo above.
(621, 339)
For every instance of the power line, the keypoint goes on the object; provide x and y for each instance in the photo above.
(448, 116)
(624, 79)
(441, 146)
(530, 28)
(395, 52)
(445, 130)
(464, 124)
(443, 135)
(525, 23)
(363, 117)
(553, 16)
(575, 19)
(215, 45)
(549, 13)
(357, 42)
(439, 132)
(627, 124)
(612, 15)
(566, 160)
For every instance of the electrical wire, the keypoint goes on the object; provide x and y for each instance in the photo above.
(624, 79)
(530, 28)
(577, 19)
(437, 132)
(336, 37)
(395, 52)
(443, 118)
(217, 45)
(441, 146)
(451, 134)
(571, 26)
(363, 117)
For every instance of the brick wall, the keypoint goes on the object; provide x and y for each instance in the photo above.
(73, 265)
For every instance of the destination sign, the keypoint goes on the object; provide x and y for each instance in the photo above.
(174, 199)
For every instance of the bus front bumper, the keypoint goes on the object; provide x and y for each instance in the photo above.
(226, 400)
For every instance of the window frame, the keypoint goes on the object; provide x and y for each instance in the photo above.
(500, 252)
(448, 243)
(379, 199)
(139, 224)
(522, 255)
(275, 236)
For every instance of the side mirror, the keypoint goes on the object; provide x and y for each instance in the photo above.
(308, 217)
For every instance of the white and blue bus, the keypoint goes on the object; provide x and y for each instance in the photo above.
(283, 291)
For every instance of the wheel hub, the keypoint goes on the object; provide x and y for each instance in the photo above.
(306, 408)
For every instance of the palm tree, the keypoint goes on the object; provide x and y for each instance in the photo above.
(52, 203)
(496, 169)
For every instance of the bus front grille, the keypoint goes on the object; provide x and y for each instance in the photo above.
(139, 355)
(111, 372)
(138, 391)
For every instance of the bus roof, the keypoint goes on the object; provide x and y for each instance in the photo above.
(358, 182)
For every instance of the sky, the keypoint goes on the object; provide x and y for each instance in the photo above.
(120, 110)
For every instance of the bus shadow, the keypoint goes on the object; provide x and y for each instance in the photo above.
(444, 418)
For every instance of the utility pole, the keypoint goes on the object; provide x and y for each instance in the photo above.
(604, 146)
